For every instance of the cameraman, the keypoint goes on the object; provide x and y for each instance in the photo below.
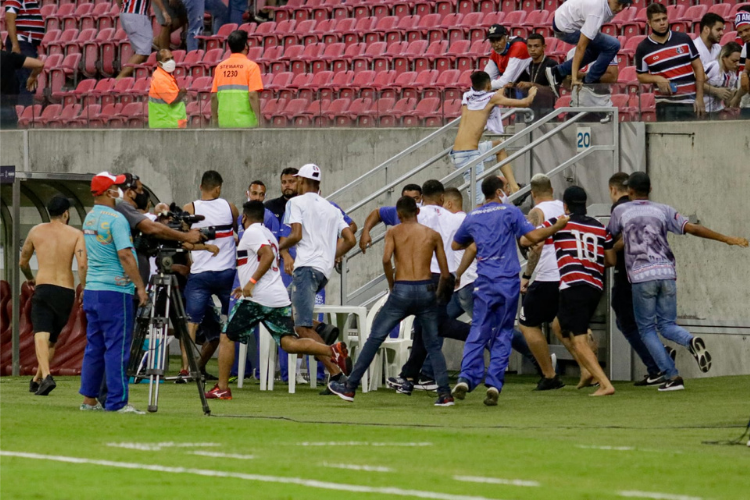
(211, 274)
(135, 198)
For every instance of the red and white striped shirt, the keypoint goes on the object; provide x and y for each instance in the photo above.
(672, 60)
(136, 7)
(580, 250)
(29, 21)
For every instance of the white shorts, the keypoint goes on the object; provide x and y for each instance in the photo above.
(139, 31)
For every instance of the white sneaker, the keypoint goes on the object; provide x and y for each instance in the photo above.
(96, 407)
(130, 409)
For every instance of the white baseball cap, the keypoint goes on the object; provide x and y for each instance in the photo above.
(309, 171)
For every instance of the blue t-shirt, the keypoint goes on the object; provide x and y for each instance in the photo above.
(105, 233)
(389, 216)
(269, 220)
(644, 226)
(347, 219)
(495, 228)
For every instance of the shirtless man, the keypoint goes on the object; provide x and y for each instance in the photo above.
(412, 294)
(55, 244)
(479, 110)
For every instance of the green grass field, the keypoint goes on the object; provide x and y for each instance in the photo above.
(554, 445)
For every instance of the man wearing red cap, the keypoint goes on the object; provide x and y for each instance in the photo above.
(111, 280)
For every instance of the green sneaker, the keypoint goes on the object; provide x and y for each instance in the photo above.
(96, 407)
(232, 380)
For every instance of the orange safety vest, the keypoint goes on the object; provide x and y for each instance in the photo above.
(164, 110)
(234, 79)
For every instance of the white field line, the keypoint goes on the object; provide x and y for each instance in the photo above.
(655, 496)
(310, 483)
(360, 443)
(366, 468)
(214, 454)
(497, 480)
(612, 448)
(159, 446)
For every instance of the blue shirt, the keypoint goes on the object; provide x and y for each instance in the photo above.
(347, 219)
(494, 228)
(389, 216)
(269, 220)
(105, 233)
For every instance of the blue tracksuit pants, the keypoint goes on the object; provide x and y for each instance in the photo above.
(495, 305)
(108, 334)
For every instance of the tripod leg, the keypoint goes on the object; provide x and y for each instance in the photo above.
(179, 322)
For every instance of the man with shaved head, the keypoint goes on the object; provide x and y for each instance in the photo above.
(166, 107)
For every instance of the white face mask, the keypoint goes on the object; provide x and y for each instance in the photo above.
(169, 66)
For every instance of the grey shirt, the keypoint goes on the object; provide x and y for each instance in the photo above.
(134, 217)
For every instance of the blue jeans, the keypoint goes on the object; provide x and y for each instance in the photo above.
(109, 317)
(236, 9)
(461, 158)
(201, 286)
(495, 306)
(220, 14)
(408, 298)
(655, 307)
(601, 50)
(25, 98)
(306, 283)
(622, 304)
(195, 10)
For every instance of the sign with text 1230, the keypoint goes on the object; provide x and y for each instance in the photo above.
(583, 138)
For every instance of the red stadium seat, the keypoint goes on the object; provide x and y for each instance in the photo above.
(58, 46)
(29, 115)
(303, 12)
(92, 53)
(108, 53)
(514, 20)
(729, 36)
(82, 120)
(383, 26)
(340, 81)
(301, 31)
(54, 21)
(456, 90)
(360, 79)
(440, 31)
(628, 51)
(331, 52)
(345, 9)
(392, 117)
(478, 49)
(447, 78)
(103, 87)
(404, 62)
(284, 117)
(108, 19)
(424, 79)
(282, 29)
(322, 28)
(628, 78)
(385, 61)
(402, 80)
(118, 90)
(427, 61)
(447, 60)
(77, 96)
(382, 80)
(217, 41)
(464, 25)
(310, 90)
(325, 10)
(278, 62)
(59, 75)
(370, 116)
(133, 115)
(614, 27)
(335, 108)
(207, 64)
(426, 107)
(364, 61)
(50, 113)
(76, 46)
(139, 90)
(692, 16)
(49, 37)
(535, 19)
(145, 69)
(72, 20)
(423, 27)
(263, 30)
(68, 113)
(351, 115)
(399, 32)
(271, 107)
(311, 53)
(91, 19)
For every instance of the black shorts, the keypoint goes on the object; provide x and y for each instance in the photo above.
(577, 305)
(540, 303)
(51, 306)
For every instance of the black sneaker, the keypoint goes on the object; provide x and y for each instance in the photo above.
(425, 385)
(395, 382)
(549, 384)
(490, 399)
(47, 386)
(445, 400)
(33, 385)
(406, 388)
(551, 74)
(675, 384)
(329, 333)
(325, 392)
(672, 352)
(698, 349)
(649, 380)
(460, 389)
(342, 391)
(207, 376)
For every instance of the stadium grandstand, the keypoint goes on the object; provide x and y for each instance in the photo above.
(324, 63)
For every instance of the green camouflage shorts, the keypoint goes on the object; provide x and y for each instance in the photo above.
(246, 315)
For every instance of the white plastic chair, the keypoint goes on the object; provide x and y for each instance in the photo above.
(268, 356)
(342, 317)
(393, 352)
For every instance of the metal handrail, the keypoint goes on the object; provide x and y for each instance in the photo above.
(389, 186)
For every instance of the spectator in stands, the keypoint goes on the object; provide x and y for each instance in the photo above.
(669, 60)
(316, 227)
(210, 274)
(578, 22)
(235, 102)
(535, 76)
(609, 76)
(112, 278)
(166, 107)
(622, 293)
(722, 82)
(25, 26)
(651, 269)
(508, 59)
(10, 64)
(178, 14)
(55, 244)
(135, 20)
(742, 25)
(384, 215)
(712, 29)
(600, 93)
(195, 12)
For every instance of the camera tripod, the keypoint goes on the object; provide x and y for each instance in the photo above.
(153, 323)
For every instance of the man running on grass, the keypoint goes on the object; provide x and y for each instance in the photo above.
(479, 110)
(413, 293)
(264, 300)
(55, 244)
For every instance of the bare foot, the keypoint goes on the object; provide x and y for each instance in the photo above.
(604, 391)
(587, 380)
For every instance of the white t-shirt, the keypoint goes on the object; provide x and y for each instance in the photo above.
(586, 16)
(446, 224)
(716, 78)
(706, 55)
(269, 291)
(546, 268)
(322, 224)
(470, 275)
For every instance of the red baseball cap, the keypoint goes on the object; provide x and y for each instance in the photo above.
(103, 181)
